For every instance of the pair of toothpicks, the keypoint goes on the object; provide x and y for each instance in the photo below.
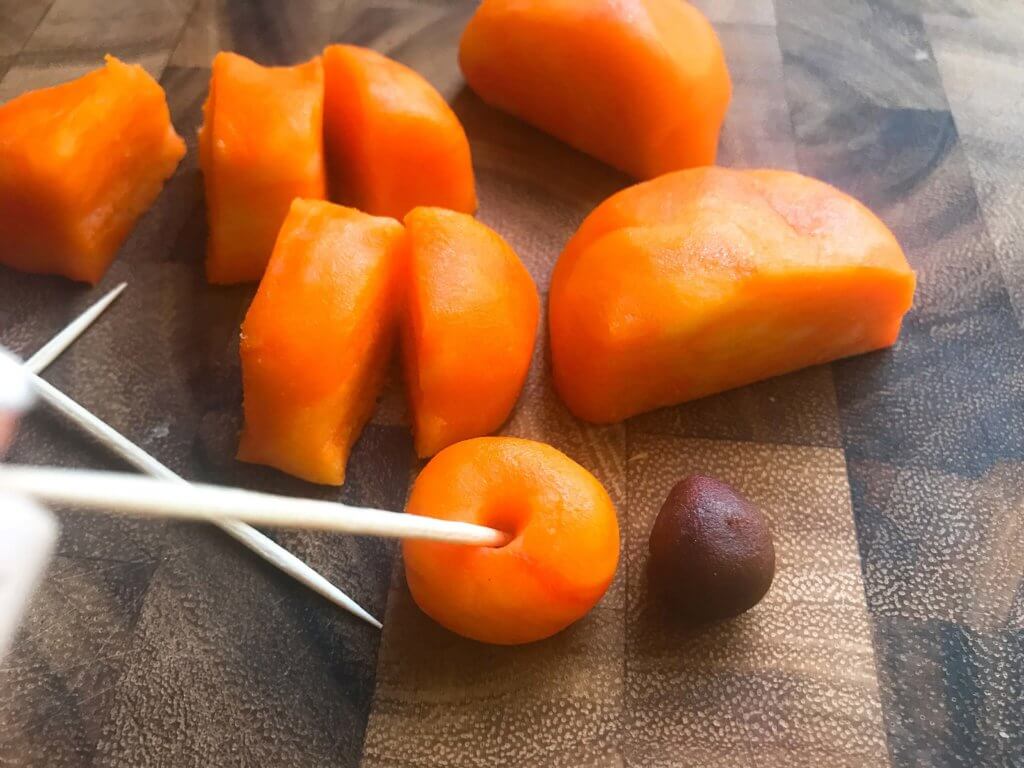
(223, 507)
(127, 450)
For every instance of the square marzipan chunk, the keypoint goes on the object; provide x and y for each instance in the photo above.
(79, 163)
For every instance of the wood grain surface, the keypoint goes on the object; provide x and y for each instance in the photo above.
(894, 634)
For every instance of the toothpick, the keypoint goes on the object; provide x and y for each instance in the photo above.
(13, 381)
(263, 546)
(149, 497)
(52, 349)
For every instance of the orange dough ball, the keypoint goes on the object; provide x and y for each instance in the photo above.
(559, 563)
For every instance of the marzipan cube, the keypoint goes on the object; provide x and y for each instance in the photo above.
(79, 163)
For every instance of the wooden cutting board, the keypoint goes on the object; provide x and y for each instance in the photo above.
(894, 633)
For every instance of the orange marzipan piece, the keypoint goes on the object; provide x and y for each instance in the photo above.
(468, 327)
(708, 279)
(340, 286)
(260, 147)
(79, 164)
(392, 141)
(317, 339)
(640, 84)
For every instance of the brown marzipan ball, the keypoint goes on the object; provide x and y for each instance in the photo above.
(712, 555)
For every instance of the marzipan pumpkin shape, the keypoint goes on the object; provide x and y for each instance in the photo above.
(559, 563)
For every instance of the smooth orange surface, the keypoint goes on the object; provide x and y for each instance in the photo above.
(317, 339)
(79, 163)
(260, 147)
(468, 329)
(559, 564)
(639, 84)
(393, 143)
(708, 279)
